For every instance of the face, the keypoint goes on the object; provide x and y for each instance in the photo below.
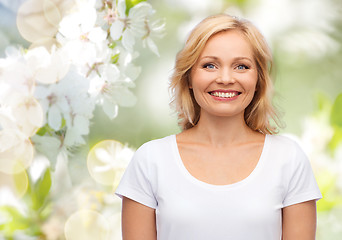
(224, 77)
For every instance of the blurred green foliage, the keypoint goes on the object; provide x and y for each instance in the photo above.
(132, 3)
(336, 122)
(331, 196)
(331, 111)
(37, 208)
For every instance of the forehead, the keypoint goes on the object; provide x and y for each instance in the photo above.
(228, 43)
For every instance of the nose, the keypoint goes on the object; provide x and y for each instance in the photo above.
(225, 76)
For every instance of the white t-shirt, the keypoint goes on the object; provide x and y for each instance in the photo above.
(189, 209)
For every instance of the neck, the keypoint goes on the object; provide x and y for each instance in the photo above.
(221, 131)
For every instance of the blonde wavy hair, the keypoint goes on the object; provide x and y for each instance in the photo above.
(259, 112)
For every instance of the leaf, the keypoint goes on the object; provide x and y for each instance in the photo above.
(41, 131)
(324, 103)
(112, 45)
(46, 129)
(114, 59)
(49, 146)
(327, 184)
(336, 112)
(132, 3)
(46, 212)
(336, 123)
(41, 190)
(17, 221)
(336, 139)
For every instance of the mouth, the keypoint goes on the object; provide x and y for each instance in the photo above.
(225, 94)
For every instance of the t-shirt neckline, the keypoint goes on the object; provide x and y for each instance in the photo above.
(201, 183)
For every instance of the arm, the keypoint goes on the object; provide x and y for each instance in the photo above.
(138, 221)
(299, 221)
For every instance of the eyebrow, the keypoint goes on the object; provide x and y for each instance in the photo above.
(236, 58)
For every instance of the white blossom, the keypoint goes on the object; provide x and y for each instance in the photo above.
(135, 25)
(16, 151)
(68, 100)
(16, 74)
(47, 100)
(53, 92)
(110, 83)
(155, 29)
(81, 38)
(47, 67)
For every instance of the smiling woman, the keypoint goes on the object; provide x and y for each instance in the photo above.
(226, 175)
(224, 77)
(256, 56)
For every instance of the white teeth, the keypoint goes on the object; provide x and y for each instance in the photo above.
(224, 94)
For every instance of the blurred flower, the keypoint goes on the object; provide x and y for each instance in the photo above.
(48, 67)
(99, 85)
(50, 146)
(54, 103)
(16, 151)
(82, 40)
(53, 228)
(22, 113)
(15, 73)
(155, 29)
(87, 68)
(68, 101)
(47, 99)
(20, 118)
(87, 225)
(294, 25)
(135, 25)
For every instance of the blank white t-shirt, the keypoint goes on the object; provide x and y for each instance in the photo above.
(189, 209)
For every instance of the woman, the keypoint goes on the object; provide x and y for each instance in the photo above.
(226, 175)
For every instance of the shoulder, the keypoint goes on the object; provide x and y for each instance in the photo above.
(285, 142)
(157, 144)
(288, 149)
(155, 148)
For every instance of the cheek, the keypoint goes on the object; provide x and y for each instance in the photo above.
(252, 89)
(251, 82)
(196, 81)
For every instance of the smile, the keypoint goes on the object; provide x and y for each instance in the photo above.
(224, 94)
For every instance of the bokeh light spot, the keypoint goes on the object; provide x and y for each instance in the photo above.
(17, 183)
(107, 161)
(20, 180)
(30, 115)
(32, 22)
(86, 225)
(14, 151)
(52, 13)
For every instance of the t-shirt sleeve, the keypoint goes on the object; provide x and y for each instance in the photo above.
(136, 181)
(302, 185)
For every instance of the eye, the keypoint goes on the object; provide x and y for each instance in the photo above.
(209, 66)
(242, 67)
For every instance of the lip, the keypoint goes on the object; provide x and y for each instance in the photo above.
(218, 98)
(225, 91)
